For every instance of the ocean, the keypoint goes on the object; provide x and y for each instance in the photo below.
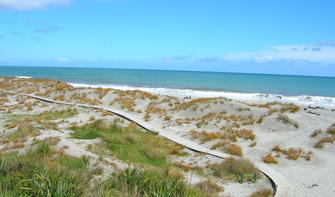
(303, 89)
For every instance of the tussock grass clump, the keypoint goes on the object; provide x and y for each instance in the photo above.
(331, 130)
(148, 182)
(235, 169)
(263, 193)
(286, 120)
(128, 144)
(233, 149)
(54, 115)
(209, 187)
(323, 141)
(316, 132)
(24, 130)
(293, 153)
(187, 167)
(269, 159)
(41, 172)
(60, 86)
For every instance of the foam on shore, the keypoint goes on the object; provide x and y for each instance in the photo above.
(303, 99)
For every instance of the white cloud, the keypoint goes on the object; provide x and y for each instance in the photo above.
(63, 59)
(319, 53)
(29, 4)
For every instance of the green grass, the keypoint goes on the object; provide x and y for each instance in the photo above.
(43, 172)
(46, 115)
(128, 144)
(151, 183)
(54, 115)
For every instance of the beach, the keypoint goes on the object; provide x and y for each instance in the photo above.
(290, 138)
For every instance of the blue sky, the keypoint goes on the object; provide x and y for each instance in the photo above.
(268, 36)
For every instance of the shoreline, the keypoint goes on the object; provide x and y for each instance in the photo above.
(252, 97)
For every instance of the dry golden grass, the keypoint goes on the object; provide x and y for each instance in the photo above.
(233, 149)
(155, 110)
(92, 118)
(24, 130)
(167, 118)
(286, 120)
(315, 133)
(331, 130)
(263, 193)
(293, 153)
(132, 125)
(229, 134)
(3, 100)
(194, 104)
(269, 159)
(60, 86)
(209, 187)
(59, 97)
(147, 117)
(187, 167)
(323, 141)
(102, 92)
(220, 144)
(252, 144)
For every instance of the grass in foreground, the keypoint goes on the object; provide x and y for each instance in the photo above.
(130, 144)
(45, 172)
(41, 172)
(149, 182)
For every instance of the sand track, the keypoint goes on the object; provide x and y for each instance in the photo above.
(279, 184)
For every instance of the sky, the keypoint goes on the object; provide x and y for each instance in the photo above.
(260, 36)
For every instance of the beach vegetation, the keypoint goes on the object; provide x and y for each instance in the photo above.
(264, 192)
(323, 141)
(209, 187)
(316, 132)
(331, 130)
(148, 182)
(59, 97)
(252, 144)
(293, 153)
(55, 115)
(129, 144)
(188, 167)
(60, 86)
(194, 104)
(235, 169)
(24, 130)
(269, 159)
(286, 120)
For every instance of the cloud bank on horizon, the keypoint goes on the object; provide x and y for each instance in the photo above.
(187, 35)
(30, 4)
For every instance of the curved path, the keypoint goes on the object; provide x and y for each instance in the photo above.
(279, 183)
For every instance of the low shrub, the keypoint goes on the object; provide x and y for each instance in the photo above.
(263, 193)
(235, 169)
(209, 187)
(269, 159)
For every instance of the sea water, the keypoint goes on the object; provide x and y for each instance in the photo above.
(304, 89)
